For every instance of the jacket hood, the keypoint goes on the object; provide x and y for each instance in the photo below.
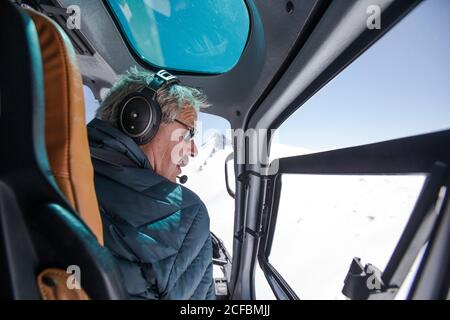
(105, 136)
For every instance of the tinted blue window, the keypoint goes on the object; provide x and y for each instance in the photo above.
(205, 36)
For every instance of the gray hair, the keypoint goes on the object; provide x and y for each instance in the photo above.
(172, 100)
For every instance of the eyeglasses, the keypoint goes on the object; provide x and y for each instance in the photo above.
(190, 134)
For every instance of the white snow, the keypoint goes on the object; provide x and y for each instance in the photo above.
(207, 179)
(323, 221)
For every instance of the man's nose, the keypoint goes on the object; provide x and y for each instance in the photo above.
(194, 150)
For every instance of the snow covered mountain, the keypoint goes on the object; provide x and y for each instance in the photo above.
(323, 221)
(214, 143)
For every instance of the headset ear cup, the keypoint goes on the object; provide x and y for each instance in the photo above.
(139, 117)
(153, 126)
(140, 113)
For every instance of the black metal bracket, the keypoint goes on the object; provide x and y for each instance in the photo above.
(244, 177)
(222, 259)
(363, 281)
(240, 234)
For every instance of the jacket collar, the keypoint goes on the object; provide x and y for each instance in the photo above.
(105, 136)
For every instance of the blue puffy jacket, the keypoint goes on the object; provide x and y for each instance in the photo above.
(157, 230)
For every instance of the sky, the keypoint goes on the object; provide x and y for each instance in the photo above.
(399, 87)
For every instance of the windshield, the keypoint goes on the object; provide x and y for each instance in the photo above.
(202, 36)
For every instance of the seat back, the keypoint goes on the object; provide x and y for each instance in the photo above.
(65, 123)
(39, 227)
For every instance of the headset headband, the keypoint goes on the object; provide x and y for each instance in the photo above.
(161, 79)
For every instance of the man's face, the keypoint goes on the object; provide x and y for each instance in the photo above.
(169, 151)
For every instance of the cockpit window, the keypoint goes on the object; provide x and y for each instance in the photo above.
(200, 36)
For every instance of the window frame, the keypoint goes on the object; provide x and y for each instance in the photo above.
(423, 154)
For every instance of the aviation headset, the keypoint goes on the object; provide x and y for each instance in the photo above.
(140, 113)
